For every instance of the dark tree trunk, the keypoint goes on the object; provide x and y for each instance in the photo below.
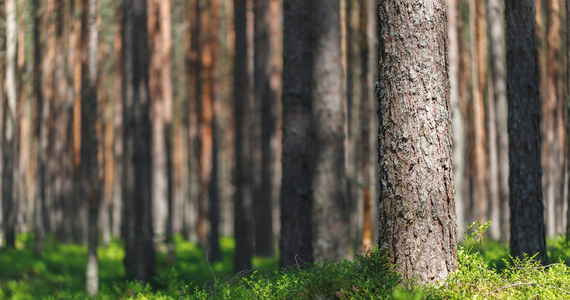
(10, 127)
(265, 97)
(313, 193)
(213, 184)
(137, 184)
(567, 102)
(243, 172)
(40, 223)
(525, 200)
(89, 171)
(417, 209)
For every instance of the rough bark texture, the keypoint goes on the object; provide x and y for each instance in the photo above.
(417, 210)
(499, 77)
(89, 171)
(265, 98)
(137, 179)
(525, 200)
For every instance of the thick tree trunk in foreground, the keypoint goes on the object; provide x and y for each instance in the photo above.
(89, 171)
(417, 210)
(137, 178)
(525, 200)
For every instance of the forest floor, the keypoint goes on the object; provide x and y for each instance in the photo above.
(485, 271)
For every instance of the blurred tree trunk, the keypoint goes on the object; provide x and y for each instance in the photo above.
(193, 82)
(526, 207)
(552, 116)
(40, 220)
(89, 171)
(366, 139)
(118, 123)
(415, 142)
(480, 192)
(498, 69)
(350, 43)
(265, 97)
(137, 179)
(211, 86)
(160, 82)
(10, 126)
(243, 108)
(313, 193)
(159, 24)
(567, 102)
(457, 117)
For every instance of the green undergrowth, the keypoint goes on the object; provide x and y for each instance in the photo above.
(485, 271)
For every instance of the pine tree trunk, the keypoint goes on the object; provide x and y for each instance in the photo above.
(40, 197)
(457, 117)
(89, 170)
(498, 70)
(10, 127)
(526, 207)
(242, 114)
(313, 192)
(137, 184)
(265, 97)
(417, 209)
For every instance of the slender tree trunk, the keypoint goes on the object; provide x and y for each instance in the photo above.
(40, 205)
(366, 142)
(90, 183)
(10, 128)
(159, 25)
(417, 210)
(498, 72)
(118, 124)
(551, 112)
(243, 105)
(526, 207)
(265, 97)
(568, 116)
(137, 184)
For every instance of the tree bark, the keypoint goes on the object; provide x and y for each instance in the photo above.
(525, 200)
(313, 193)
(89, 170)
(366, 140)
(10, 127)
(265, 97)
(417, 210)
(40, 198)
(243, 173)
(499, 77)
(159, 24)
(137, 185)
(457, 116)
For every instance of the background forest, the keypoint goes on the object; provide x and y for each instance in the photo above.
(158, 141)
